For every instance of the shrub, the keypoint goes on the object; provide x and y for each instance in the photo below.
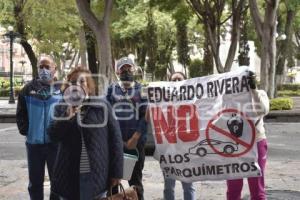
(289, 86)
(5, 92)
(197, 68)
(281, 104)
(288, 93)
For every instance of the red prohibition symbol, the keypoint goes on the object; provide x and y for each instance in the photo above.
(225, 133)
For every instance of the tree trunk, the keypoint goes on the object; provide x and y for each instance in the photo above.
(237, 10)
(83, 47)
(73, 59)
(91, 50)
(101, 32)
(266, 30)
(31, 55)
(104, 51)
(19, 18)
(285, 45)
(208, 59)
(264, 66)
(272, 52)
(211, 33)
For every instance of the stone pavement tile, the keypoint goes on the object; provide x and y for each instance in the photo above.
(6, 108)
(282, 182)
(14, 180)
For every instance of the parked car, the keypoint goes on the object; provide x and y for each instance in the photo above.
(203, 148)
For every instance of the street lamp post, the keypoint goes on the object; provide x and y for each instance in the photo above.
(12, 36)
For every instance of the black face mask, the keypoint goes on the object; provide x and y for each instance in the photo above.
(126, 76)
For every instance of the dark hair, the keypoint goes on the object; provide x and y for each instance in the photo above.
(76, 72)
(182, 74)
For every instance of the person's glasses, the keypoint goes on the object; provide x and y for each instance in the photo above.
(44, 66)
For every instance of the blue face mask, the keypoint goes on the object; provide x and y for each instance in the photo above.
(45, 74)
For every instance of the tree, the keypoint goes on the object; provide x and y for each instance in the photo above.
(91, 49)
(43, 31)
(266, 31)
(151, 44)
(182, 17)
(100, 28)
(146, 34)
(210, 14)
(54, 33)
(181, 14)
(129, 29)
(286, 50)
(12, 12)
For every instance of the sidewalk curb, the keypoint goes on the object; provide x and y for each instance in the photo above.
(8, 118)
(273, 116)
(283, 116)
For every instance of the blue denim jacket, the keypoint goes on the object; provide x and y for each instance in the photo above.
(129, 107)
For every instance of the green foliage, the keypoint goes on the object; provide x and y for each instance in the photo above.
(6, 17)
(195, 68)
(292, 4)
(52, 29)
(151, 43)
(132, 22)
(48, 24)
(167, 5)
(131, 32)
(5, 92)
(4, 83)
(182, 43)
(5, 87)
(281, 104)
(288, 93)
(290, 86)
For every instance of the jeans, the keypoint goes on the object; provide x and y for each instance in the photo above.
(86, 186)
(256, 184)
(188, 190)
(38, 155)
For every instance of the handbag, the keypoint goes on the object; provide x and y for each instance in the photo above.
(124, 194)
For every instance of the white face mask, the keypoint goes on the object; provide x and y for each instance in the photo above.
(45, 74)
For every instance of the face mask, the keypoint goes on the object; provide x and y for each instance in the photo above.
(126, 76)
(45, 74)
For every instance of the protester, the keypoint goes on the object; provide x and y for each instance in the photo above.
(169, 186)
(90, 157)
(129, 107)
(35, 103)
(256, 184)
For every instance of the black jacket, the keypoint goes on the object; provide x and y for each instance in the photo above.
(104, 147)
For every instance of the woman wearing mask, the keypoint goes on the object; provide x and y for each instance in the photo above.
(90, 157)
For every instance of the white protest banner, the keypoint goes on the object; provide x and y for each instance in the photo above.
(204, 128)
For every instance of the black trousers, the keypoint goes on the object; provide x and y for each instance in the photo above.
(137, 174)
(38, 155)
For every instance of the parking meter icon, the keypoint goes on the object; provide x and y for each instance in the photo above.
(235, 125)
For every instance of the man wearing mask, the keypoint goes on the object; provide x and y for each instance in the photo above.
(129, 107)
(35, 104)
